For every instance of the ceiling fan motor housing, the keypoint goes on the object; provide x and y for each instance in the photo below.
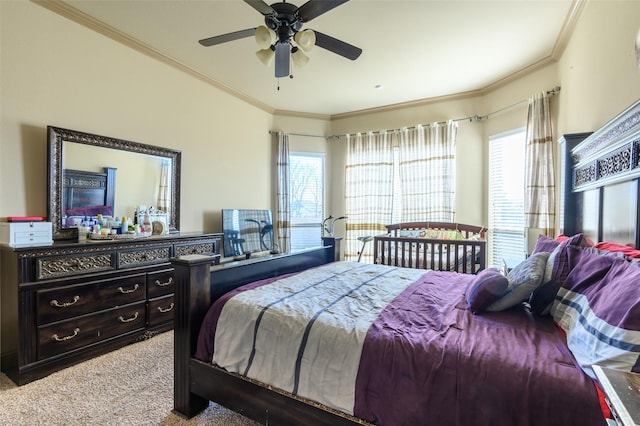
(285, 22)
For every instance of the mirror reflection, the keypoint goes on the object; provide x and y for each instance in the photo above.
(91, 175)
(138, 180)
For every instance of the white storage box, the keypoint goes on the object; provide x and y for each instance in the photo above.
(19, 234)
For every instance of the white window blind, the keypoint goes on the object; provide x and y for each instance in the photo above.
(306, 192)
(506, 238)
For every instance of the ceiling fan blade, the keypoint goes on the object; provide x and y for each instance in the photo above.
(337, 46)
(261, 7)
(283, 56)
(211, 41)
(314, 8)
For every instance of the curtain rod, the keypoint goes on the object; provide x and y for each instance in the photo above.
(551, 92)
(272, 132)
(471, 118)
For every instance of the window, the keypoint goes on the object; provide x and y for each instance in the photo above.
(306, 199)
(506, 197)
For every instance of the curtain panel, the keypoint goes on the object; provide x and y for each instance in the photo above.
(368, 189)
(164, 190)
(427, 172)
(283, 223)
(540, 190)
(400, 176)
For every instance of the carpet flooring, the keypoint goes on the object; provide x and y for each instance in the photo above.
(129, 386)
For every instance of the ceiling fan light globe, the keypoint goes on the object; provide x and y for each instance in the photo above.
(299, 59)
(266, 56)
(265, 37)
(305, 39)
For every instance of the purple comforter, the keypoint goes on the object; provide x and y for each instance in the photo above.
(427, 360)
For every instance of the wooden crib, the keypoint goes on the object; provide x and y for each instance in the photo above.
(441, 246)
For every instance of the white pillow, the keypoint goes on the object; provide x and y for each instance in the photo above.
(523, 280)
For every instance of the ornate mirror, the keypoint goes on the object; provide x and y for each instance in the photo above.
(91, 174)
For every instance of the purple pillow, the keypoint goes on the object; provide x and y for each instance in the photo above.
(487, 287)
(561, 267)
(545, 244)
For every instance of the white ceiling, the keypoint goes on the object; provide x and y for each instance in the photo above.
(415, 49)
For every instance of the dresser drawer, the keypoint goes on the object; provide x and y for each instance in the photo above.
(142, 257)
(160, 311)
(160, 283)
(78, 332)
(32, 238)
(200, 247)
(74, 264)
(69, 301)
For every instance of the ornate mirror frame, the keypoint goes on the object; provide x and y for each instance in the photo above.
(56, 136)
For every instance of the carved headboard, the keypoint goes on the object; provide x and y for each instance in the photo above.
(88, 193)
(601, 198)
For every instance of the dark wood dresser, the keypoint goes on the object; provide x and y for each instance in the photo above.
(68, 302)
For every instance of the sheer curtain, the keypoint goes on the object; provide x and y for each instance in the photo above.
(368, 189)
(283, 222)
(427, 172)
(539, 200)
(164, 190)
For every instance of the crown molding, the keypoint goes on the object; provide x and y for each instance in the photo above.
(575, 10)
(299, 114)
(75, 15)
(79, 17)
(516, 75)
(411, 104)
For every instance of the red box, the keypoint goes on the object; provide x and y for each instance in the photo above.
(25, 219)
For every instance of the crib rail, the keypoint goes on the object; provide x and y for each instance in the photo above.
(443, 255)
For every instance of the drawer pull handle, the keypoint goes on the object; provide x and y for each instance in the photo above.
(57, 338)
(161, 284)
(133, 318)
(123, 291)
(165, 310)
(57, 304)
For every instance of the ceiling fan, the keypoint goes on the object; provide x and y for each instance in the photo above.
(282, 36)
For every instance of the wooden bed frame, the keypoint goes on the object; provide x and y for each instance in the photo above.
(198, 283)
(600, 186)
(394, 248)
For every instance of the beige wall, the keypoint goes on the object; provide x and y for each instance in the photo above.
(54, 71)
(598, 70)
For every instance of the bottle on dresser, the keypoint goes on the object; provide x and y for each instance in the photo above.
(124, 226)
(116, 225)
(147, 221)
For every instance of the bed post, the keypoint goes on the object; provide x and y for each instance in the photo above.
(335, 243)
(192, 298)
